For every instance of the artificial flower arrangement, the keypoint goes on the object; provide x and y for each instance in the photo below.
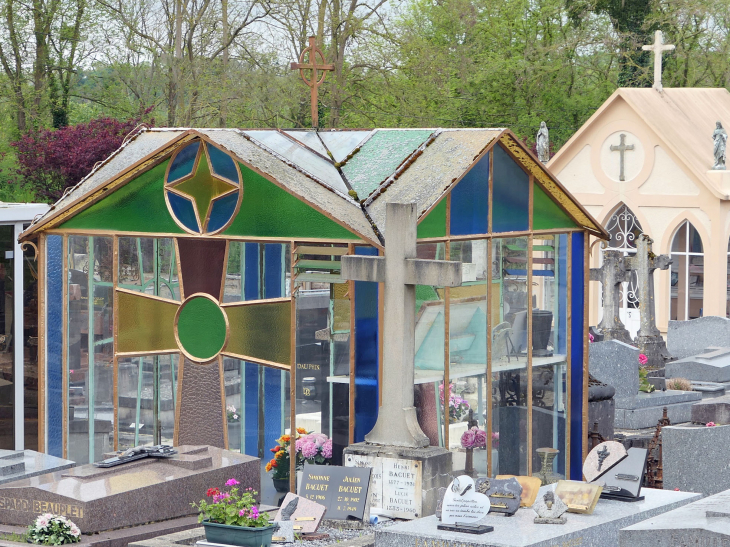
(314, 448)
(477, 438)
(458, 407)
(232, 508)
(49, 529)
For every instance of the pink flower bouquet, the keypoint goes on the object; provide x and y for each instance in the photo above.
(315, 448)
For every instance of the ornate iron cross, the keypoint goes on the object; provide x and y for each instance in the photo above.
(315, 55)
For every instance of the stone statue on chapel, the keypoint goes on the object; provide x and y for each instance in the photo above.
(720, 148)
(543, 143)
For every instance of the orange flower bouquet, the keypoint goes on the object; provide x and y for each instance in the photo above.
(279, 464)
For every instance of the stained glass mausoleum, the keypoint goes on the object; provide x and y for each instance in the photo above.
(190, 290)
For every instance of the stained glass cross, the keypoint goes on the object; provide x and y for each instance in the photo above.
(315, 54)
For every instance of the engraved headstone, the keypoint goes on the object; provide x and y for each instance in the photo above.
(549, 509)
(623, 480)
(505, 495)
(462, 503)
(602, 458)
(343, 491)
(305, 514)
(580, 497)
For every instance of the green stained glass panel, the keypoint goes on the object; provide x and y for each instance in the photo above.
(260, 331)
(138, 206)
(434, 225)
(546, 214)
(268, 211)
(379, 157)
(201, 328)
(145, 324)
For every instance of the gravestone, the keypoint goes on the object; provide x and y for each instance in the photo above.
(98, 499)
(23, 464)
(695, 458)
(617, 364)
(396, 433)
(343, 491)
(715, 410)
(305, 514)
(648, 339)
(505, 495)
(611, 274)
(599, 529)
(703, 523)
(688, 338)
(712, 365)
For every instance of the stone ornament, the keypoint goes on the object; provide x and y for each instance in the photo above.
(462, 504)
(504, 495)
(602, 458)
(550, 509)
(719, 138)
(543, 143)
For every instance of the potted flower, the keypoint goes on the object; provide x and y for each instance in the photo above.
(314, 448)
(49, 529)
(232, 518)
(471, 439)
(458, 407)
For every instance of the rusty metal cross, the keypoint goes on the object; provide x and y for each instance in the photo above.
(314, 64)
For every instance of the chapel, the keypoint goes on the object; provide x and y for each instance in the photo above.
(190, 292)
(644, 162)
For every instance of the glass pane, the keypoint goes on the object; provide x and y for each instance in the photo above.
(182, 164)
(55, 344)
(429, 355)
(7, 375)
(679, 243)
(434, 223)
(222, 164)
(184, 211)
(509, 356)
(510, 192)
(678, 290)
(695, 241)
(468, 352)
(549, 365)
(469, 201)
(696, 281)
(30, 347)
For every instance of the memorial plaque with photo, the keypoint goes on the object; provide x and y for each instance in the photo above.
(623, 480)
(342, 490)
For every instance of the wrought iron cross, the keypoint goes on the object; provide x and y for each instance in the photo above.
(315, 55)
(621, 149)
(658, 48)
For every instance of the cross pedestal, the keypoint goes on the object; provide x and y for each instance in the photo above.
(649, 339)
(611, 274)
(397, 445)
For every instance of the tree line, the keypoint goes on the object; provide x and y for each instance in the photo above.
(407, 63)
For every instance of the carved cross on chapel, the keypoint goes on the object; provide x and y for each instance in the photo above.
(658, 48)
(621, 148)
(400, 271)
(314, 64)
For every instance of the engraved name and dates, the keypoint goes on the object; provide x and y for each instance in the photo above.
(39, 506)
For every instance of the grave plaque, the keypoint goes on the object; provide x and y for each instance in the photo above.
(462, 503)
(602, 458)
(304, 514)
(284, 533)
(530, 486)
(623, 481)
(395, 486)
(580, 497)
(342, 490)
(505, 495)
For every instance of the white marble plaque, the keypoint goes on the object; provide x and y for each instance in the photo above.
(395, 487)
(376, 476)
(462, 504)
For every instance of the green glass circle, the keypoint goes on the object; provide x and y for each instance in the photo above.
(201, 328)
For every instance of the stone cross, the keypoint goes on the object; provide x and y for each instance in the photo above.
(658, 48)
(621, 148)
(611, 274)
(644, 262)
(400, 271)
(315, 81)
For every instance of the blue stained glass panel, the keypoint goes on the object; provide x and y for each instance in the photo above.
(273, 270)
(470, 201)
(54, 348)
(578, 335)
(367, 397)
(273, 407)
(223, 164)
(183, 210)
(251, 413)
(251, 272)
(511, 194)
(183, 163)
(221, 211)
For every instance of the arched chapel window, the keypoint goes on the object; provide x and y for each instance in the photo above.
(688, 274)
(624, 228)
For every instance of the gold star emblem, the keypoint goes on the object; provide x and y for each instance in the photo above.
(202, 187)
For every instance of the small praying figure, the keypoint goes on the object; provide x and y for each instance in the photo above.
(720, 148)
(543, 143)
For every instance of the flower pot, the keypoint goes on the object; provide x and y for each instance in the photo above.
(281, 485)
(239, 535)
(234, 436)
